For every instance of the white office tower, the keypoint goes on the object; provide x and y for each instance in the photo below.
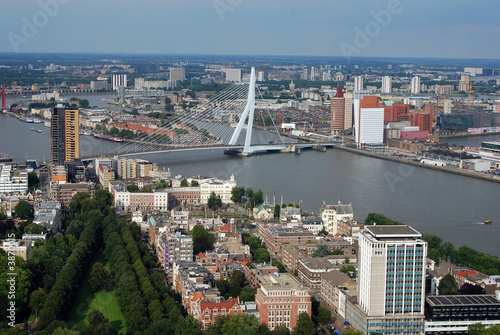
(305, 74)
(391, 280)
(371, 126)
(386, 84)
(356, 98)
(118, 80)
(233, 75)
(415, 85)
(358, 83)
(447, 106)
(313, 73)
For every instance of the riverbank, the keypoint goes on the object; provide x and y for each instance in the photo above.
(447, 169)
(464, 135)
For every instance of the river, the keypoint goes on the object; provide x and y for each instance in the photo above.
(451, 206)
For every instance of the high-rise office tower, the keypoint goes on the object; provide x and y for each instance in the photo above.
(386, 84)
(391, 280)
(415, 85)
(358, 83)
(65, 135)
(368, 119)
(118, 80)
(341, 112)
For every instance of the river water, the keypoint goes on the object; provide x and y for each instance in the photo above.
(451, 206)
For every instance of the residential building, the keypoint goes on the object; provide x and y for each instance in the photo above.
(392, 113)
(254, 273)
(105, 174)
(333, 214)
(49, 215)
(274, 237)
(391, 291)
(63, 193)
(415, 85)
(447, 106)
(386, 85)
(280, 301)
(233, 75)
(290, 215)
(172, 248)
(313, 224)
(118, 80)
(207, 311)
(333, 288)
(19, 248)
(65, 135)
(423, 122)
(310, 271)
(127, 168)
(358, 83)
(13, 180)
(177, 73)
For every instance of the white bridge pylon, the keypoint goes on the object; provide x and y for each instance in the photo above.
(249, 108)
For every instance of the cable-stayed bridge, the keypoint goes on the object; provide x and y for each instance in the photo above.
(225, 120)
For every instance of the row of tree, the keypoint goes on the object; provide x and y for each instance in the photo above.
(144, 301)
(237, 324)
(61, 297)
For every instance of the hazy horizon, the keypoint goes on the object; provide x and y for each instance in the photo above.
(449, 29)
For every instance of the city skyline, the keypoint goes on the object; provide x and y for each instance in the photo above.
(394, 28)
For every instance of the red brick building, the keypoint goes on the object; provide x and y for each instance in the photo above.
(206, 312)
(274, 237)
(281, 300)
(391, 113)
(423, 121)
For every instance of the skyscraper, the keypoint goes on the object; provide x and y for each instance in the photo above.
(369, 119)
(386, 84)
(65, 135)
(391, 281)
(415, 85)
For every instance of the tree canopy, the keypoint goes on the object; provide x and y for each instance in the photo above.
(447, 285)
(202, 241)
(23, 209)
(214, 201)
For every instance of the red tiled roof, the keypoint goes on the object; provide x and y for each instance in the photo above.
(464, 273)
(197, 296)
(219, 305)
(225, 228)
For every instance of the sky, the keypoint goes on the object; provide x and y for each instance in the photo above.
(350, 28)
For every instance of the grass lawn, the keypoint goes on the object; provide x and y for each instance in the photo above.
(105, 302)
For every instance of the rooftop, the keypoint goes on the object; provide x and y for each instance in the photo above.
(400, 231)
(464, 300)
